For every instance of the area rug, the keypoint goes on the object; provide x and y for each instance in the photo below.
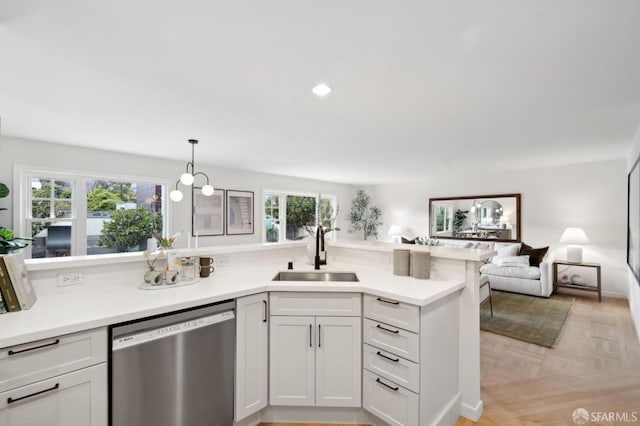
(528, 318)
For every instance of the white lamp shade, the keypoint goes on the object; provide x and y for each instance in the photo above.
(186, 179)
(207, 190)
(175, 195)
(574, 236)
(394, 231)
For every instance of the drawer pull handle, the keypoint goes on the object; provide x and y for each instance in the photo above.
(384, 384)
(391, 302)
(265, 311)
(310, 337)
(386, 329)
(380, 354)
(319, 334)
(55, 342)
(12, 400)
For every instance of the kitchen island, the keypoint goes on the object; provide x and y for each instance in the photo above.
(111, 295)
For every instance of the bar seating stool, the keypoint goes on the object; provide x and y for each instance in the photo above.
(485, 292)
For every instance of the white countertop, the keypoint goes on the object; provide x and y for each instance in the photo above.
(79, 308)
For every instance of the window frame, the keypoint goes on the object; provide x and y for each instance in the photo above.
(22, 175)
(282, 208)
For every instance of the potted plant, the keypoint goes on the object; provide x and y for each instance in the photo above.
(8, 241)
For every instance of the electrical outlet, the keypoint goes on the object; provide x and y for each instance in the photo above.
(434, 266)
(70, 278)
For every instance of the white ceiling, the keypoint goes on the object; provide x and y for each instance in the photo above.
(420, 87)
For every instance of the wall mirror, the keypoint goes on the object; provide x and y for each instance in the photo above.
(476, 217)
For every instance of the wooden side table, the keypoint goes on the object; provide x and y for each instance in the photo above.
(557, 284)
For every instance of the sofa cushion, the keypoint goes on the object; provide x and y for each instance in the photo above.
(515, 261)
(531, 273)
(536, 255)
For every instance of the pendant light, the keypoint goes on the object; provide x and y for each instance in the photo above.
(189, 176)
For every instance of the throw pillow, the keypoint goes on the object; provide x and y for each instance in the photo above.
(536, 255)
(406, 241)
(506, 250)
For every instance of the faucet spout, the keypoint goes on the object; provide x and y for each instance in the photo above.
(319, 248)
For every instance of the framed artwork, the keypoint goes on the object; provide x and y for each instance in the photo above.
(633, 220)
(208, 213)
(239, 212)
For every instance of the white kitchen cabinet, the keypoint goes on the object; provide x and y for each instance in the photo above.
(315, 360)
(292, 361)
(410, 376)
(338, 362)
(252, 354)
(55, 382)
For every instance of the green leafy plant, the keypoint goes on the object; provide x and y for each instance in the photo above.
(128, 229)
(364, 217)
(458, 219)
(9, 242)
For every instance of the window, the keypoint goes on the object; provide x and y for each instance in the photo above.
(444, 216)
(294, 216)
(71, 213)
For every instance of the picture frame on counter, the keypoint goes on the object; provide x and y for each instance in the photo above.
(239, 212)
(208, 213)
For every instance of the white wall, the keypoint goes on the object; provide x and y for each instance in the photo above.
(591, 196)
(634, 286)
(35, 153)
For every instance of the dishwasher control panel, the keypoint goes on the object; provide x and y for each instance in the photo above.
(122, 342)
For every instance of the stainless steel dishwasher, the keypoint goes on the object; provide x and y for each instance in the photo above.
(174, 370)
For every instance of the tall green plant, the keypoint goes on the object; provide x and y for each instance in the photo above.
(9, 242)
(364, 217)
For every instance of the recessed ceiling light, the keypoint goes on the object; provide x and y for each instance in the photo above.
(321, 89)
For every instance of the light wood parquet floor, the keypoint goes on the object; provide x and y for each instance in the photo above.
(595, 366)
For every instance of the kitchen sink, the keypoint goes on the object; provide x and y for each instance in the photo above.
(315, 276)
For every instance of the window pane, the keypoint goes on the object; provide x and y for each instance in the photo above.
(62, 189)
(272, 218)
(301, 217)
(122, 216)
(41, 209)
(51, 239)
(63, 209)
(40, 188)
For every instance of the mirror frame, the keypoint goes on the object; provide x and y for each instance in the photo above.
(518, 225)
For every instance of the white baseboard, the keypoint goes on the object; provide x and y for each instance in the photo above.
(450, 414)
(471, 413)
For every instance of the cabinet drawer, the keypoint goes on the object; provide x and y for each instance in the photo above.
(39, 360)
(73, 399)
(392, 367)
(327, 304)
(392, 403)
(391, 339)
(392, 312)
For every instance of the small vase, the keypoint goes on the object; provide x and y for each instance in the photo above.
(153, 277)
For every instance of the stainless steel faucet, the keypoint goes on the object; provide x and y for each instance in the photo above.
(319, 248)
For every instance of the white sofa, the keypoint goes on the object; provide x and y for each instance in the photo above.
(533, 280)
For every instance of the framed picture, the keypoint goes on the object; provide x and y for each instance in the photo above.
(239, 212)
(633, 220)
(208, 213)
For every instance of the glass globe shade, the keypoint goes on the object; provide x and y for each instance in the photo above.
(186, 179)
(175, 195)
(207, 190)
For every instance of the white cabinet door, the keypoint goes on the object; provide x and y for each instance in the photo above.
(292, 355)
(252, 354)
(338, 365)
(73, 399)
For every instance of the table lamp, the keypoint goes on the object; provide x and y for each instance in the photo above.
(574, 237)
(395, 232)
